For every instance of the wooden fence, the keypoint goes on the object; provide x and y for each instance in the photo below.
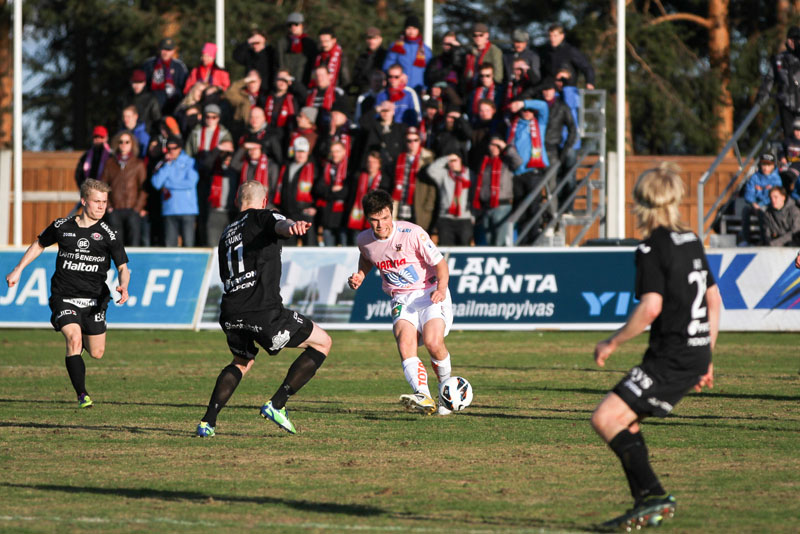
(49, 189)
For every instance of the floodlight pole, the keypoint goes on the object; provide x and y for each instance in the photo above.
(17, 120)
(219, 35)
(427, 35)
(621, 96)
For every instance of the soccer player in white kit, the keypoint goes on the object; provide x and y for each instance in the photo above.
(414, 274)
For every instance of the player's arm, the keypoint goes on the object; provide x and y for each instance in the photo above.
(124, 276)
(31, 254)
(713, 304)
(357, 278)
(288, 227)
(442, 278)
(643, 315)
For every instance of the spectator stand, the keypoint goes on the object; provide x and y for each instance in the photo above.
(724, 216)
(589, 171)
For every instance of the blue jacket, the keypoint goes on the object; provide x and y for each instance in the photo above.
(180, 178)
(757, 187)
(572, 99)
(406, 110)
(522, 137)
(416, 75)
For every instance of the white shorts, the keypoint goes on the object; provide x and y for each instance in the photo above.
(416, 308)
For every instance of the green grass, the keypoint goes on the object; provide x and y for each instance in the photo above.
(522, 458)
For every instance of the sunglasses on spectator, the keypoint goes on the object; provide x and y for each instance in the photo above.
(478, 34)
(172, 148)
(394, 76)
(295, 24)
(562, 80)
(98, 137)
(414, 140)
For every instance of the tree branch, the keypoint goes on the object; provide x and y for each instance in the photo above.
(706, 23)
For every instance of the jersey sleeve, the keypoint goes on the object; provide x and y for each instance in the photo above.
(118, 253)
(267, 219)
(427, 250)
(49, 235)
(649, 272)
(710, 281)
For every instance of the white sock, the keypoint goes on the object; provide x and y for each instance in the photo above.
(416, 375)
(441, 368)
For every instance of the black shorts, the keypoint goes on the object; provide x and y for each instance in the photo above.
(652, 390)
(286, 328)
(89, 314)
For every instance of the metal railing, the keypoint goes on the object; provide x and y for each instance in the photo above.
(703, 217)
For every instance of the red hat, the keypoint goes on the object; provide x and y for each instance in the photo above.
(99, 131)
(138, 76)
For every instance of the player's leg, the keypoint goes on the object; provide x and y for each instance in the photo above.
(317, 346)
(95, 345)
(408, 337)
(227, 382)
(617, 424)
(76, 368)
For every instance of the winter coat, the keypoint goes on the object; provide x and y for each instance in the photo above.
(756, 190)
(178, 181)
(783, 226)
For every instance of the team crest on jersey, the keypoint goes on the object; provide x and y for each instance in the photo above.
(644, 249)
(83, 243)
(278, 216)
(97, 237)
(398, 247)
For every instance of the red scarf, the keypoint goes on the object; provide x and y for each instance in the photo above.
(396, 94)
(287, 110)
(206, 73)
(214, 140)
(357, 221)
(346, 139)
(333, 60)
(261, 175)
(296, 43)
(462, 181)
(215, 194)
(399, 47)
(479, 94)
(304, 185)
(162, 76)
(327, 100)
(512, 90)
(537, 155)
(469, 70)
(494, 196)
(423, 131)
(340, 170)
(399, 175)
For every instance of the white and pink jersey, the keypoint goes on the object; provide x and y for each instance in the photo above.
(406, 259)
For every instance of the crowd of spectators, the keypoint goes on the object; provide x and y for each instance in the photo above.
(458, 139)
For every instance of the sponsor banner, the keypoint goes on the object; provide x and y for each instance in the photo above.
(166, 289)
(506, 289)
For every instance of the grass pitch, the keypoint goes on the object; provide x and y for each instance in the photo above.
(522, 458)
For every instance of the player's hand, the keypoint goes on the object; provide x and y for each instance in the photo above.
(123, 294)
(438, 296)
(355, 280)
(707, 380)
(299, 228)
(12, 278)
(602, 351)
(516, 105)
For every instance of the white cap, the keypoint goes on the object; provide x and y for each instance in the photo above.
(300, 144)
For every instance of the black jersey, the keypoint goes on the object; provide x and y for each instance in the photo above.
(673, 264)
(250, 263)
(84, 257)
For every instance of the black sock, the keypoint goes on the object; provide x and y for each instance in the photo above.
(632, 452)
(301, 371)
(77, 372)
(227, 381)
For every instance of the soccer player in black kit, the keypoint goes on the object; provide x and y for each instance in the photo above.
(78, 292)
(679, 300)
(252, 311)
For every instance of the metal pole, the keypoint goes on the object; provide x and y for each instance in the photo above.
(620, 215)
(427, 35)
(220, 33)
(17, 119)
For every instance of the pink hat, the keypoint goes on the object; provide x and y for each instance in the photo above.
(210, 49)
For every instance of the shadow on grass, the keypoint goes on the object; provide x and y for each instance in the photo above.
(204, 498)
(110, 428)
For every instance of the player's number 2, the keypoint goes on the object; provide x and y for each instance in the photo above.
(699, 278)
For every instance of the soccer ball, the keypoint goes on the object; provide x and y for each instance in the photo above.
(455, 393)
